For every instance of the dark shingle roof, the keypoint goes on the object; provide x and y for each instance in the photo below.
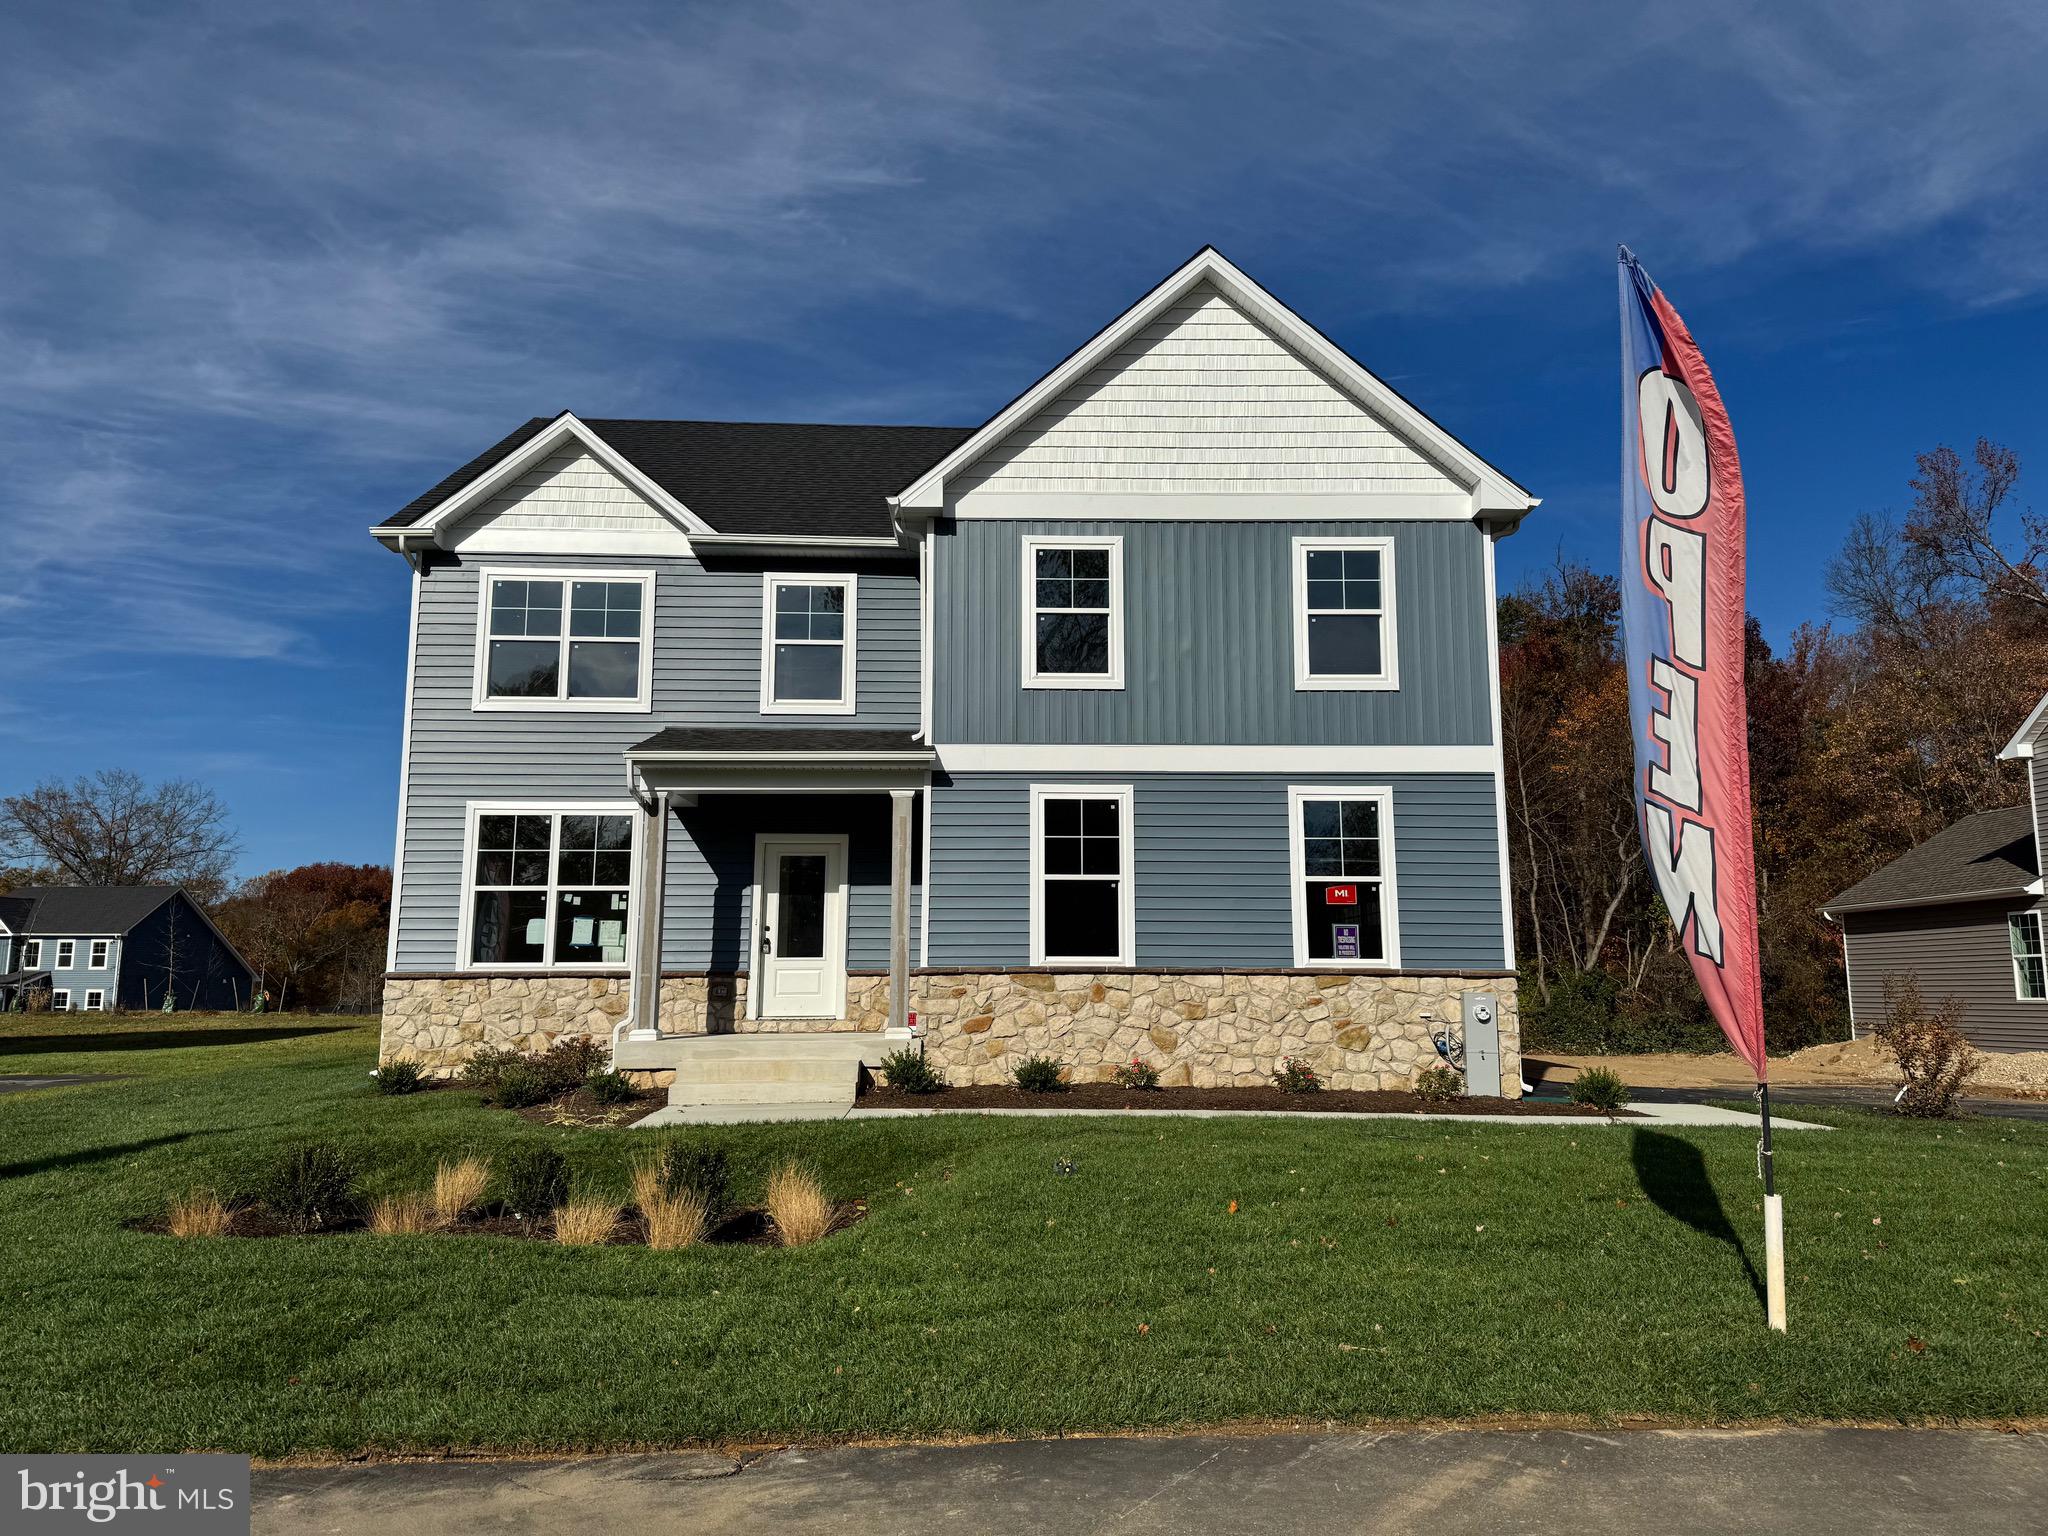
(1991, 853)
(15, 912)
(750, 477)
(84, 909)
(854, 743)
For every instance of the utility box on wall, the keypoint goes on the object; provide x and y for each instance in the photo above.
(1482, 1045)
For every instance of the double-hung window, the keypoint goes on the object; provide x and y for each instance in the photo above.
(67, 954)
(1081, 907)
(807, 644)
(98, 960)
(95, 1001)
(564, 640)
(1073, 613)
(2029, 958)
(31, 954)
(1343, 871)
(1344, 614)
(548, 887)
(60, 1000)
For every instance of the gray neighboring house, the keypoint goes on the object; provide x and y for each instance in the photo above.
(1156, 716)
(1963, 912)
(95, 948)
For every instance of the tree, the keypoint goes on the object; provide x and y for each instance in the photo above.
(110, 828)
(316, 932)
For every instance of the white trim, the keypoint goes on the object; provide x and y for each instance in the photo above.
(849, 585)
(1388, 678)
(67, 955)
(924, 890)
(60, 1000)
(986, 504)
(924, 636)
(782, 541)
(1491, 489)
(1054, 757)
(28, 944)
(756, 985)
(595, 543)
(1126, 917)
(104, 948)
(640, 704)
(1027, 562)
(1500, 754)
(473, 811)
(1835, 913)
(2020, 746)
(2040, 951)
(1297, 873)
(412, 656)
(1849, 984)
(95, 1000)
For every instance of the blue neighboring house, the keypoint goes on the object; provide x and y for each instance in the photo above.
(89, 949)
(1156, 717)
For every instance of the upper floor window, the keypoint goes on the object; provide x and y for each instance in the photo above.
(1081, 904)
(1073, 613)
(1344, 614)
(2029, 958)
(67, 954)
(548, 887)
(1343, 869)
(564, 640)
(31, 954)
(98, 960)
(807, 644)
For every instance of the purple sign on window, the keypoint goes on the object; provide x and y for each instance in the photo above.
(1344, 941)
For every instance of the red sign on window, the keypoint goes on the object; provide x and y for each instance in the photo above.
(1340, 895)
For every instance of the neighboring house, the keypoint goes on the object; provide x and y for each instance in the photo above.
(1158, 716)
(88, 948)
(1963, 913)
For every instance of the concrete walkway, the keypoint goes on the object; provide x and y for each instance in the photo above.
(1659, 1114)
(1675, 1482)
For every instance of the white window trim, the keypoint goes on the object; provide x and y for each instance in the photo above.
(67, 955)
(1297, 899)
(2019, 990)
(1126, 917)
(31, 962)
(1389, 678)
(480, 699)
(849, 660)
(1028, 592)
(474, 811)
(60, 1000)
(95, 1001)
(99, 954)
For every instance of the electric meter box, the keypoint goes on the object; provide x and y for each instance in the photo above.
(1482, 1045)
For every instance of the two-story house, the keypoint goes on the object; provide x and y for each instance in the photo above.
(96, 948)
(1158, 716)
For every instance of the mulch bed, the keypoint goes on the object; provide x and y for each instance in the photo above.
(745, 1228)
(581, 1108)
(1327, 1101)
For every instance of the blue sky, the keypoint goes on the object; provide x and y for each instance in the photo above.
(269, 272)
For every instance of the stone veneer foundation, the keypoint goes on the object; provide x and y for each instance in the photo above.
(1201, 1029)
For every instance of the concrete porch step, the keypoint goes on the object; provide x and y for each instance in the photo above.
(742, 1114)
(670, 1052)
(764, 1070)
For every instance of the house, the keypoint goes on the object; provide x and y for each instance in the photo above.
(1962, 913)
(1157, 716)
(87, 948)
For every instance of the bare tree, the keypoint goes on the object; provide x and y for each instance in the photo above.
(1954, 509)
(110, 828)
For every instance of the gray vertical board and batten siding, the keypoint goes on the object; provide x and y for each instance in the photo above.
(706, 636)
(1208, 616)
(1957, 949)
(1211, 868)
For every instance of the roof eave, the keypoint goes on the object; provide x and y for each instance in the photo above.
(1835, 910)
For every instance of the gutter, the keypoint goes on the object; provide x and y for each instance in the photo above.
(1834, 913)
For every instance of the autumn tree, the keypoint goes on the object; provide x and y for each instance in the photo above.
(111, 828)
(315, 933)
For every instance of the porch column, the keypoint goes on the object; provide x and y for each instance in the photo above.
(900, 802)
(644, 986)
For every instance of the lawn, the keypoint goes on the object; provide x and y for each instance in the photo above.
(1377, 1270)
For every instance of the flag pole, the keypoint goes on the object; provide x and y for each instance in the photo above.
(1774, 1220)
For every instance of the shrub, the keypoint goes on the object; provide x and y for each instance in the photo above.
(398, 1077)
(519, 1085)
(310, 1186)
(1138, 1074)
(565, 1066)
(912, 1072)
(1296, 1076)
(458, 1186)
(1039, 1074)
(690, 1167)
(533, 1180)
(674, 1219)
(1934, 1057)
(202, 1213)
(586, 1220)
(485, 1068)
(611, 1087)
(797, 1205)
(1439, 1085)
(402, 1214)
(1598, 1088)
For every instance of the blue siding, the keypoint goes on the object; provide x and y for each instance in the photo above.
(1211, 866)
(79, 977)
(1209, 640)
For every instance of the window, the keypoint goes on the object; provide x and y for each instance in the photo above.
(95, 1001)
(2029, 959)
(31, 954)
(1081, 907)
(563, 640)
(1343, 870)
(60, 1001)
(1344, 614)
(549, 888)
(98, 960)
(1073, 613)
(807, 644)
(67, 954)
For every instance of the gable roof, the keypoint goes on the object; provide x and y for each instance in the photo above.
(2022, 743)
(58, 910)
(15, 912)
(1989, 854)
(1491, 491)
(729, 477)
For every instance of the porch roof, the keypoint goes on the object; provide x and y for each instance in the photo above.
(677, 743)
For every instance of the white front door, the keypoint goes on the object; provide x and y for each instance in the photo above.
(800, 928)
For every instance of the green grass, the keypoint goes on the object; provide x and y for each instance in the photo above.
(1372, 1271)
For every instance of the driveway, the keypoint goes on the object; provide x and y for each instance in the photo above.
(1675, 1482)
(22, 1084)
